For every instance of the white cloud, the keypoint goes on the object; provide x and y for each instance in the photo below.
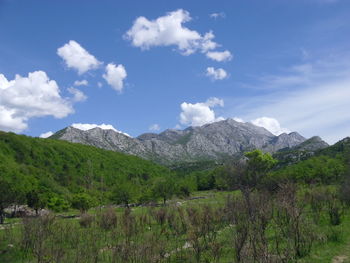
(168, 30)
(220, 56)
(78, 95)
(76, 57)
(99, 84)
(198, 114)
(46, 134)
(83, 82)
(216, 74)
(10, 122)
(217, 15)
(115, 76)
(88, 126)
(154, 127)
(270, 124)
(28, 97)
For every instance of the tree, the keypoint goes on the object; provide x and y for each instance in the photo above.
(57, 203)
(258, 164)
(163, 188)
(248, 174)
(7, 197)
(13, 187)
(124, 193)
(36, 200)
(82, 202)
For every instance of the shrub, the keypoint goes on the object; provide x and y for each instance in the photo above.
(57, 204)
(108, 219)
(86, 220)
(82, 202)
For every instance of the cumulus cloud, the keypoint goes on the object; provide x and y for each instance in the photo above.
(216, 74)
(169, 30)
(200, 113)
(76, 57)
(154, 127)
(46, 134)
(220, 56)
(28, 97)
(78, 95)
(115, 76)
(83, 82)
(270, 124)
(89, 126)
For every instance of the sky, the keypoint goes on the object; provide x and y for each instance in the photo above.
(146, 66)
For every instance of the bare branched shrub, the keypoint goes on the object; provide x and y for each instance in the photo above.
(335, 210)
(86, 220)
(317, 200)
(237, 215)
(35, 233)
(108, 218)
(294, 234)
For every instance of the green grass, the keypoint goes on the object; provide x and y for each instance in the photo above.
(325, 252)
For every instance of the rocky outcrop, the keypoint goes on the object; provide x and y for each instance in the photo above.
(212, 141)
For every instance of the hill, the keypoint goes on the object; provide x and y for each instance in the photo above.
(57, 170)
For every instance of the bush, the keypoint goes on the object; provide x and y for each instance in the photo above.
(82, 202)
(108, 219)
(86, 220)
(57, 204)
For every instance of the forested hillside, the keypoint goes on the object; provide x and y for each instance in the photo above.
(52, 172)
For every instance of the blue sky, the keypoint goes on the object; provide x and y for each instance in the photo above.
(153, 65)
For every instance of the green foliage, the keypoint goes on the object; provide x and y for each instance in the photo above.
(46, 172)
(124, 193)
(259, 162)
(318, 169)
(82, 202)
(57, 204)
(36, 200)
(163, 188)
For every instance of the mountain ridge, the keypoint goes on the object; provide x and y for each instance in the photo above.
(213, 141)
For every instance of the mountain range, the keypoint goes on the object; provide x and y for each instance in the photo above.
(215, 141)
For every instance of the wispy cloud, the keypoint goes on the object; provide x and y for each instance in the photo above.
(217, 15)
(311, 98)
(154, 127)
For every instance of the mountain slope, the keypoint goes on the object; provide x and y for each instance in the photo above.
(62, 168)
(214, 141)
(327, 165)
(302, 151)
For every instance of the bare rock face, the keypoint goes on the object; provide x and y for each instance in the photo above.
(212, 141)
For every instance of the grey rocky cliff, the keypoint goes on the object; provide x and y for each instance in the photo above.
(212, 141)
